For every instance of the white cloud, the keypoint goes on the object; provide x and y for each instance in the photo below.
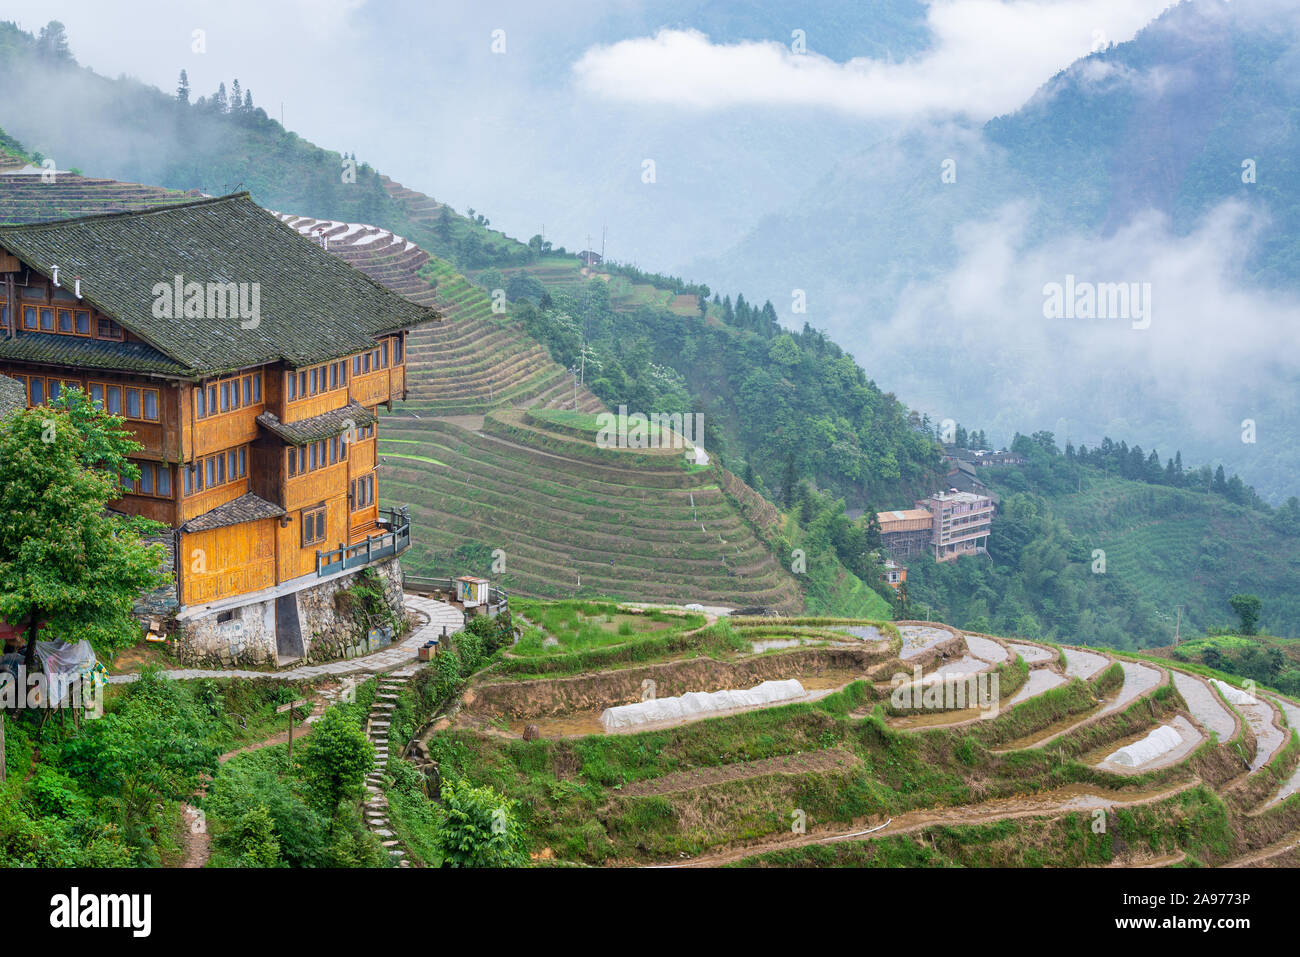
(1209, 358)
(987, 57)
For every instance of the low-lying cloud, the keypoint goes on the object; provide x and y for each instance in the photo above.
(986, 58)
(1212, 355)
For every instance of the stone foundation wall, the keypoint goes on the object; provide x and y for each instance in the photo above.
(328, 632)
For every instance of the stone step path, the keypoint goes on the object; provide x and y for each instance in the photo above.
(439, 615)
(378, 725)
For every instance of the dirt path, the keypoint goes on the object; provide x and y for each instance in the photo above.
(198, 842)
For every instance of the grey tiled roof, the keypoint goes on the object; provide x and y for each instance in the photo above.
(87, 353)
(246, 508)
(313, 306)
(12, 395)
(323, 426)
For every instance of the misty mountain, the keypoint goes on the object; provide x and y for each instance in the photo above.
(1169, 160)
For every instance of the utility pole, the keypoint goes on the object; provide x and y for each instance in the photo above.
(1178, 624)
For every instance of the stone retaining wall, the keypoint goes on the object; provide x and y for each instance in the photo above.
(328, 632)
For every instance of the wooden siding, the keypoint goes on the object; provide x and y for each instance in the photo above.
(295, 559)
(371, 388)
(225, 562)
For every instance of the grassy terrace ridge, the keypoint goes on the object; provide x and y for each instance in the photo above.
(723, 789)
(573, 518)
(27, 199)
(475, 360)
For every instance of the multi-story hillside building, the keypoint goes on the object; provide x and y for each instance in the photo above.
(949, 524)
(961, 523)
(249, 363)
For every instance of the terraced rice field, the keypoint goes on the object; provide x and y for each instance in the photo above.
(876, 790)
(25, 199)
(475, 360)
(573, 524)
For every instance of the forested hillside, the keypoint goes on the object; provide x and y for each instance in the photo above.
(1102, 547)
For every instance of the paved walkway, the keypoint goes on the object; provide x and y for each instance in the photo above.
(439, 613)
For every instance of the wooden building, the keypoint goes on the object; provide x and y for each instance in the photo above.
(905, 532)
(249, 363)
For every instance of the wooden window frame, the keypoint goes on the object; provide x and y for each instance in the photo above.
(314, 525)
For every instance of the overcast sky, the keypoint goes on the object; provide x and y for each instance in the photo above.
(554, 129)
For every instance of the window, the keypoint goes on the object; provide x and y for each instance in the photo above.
(214, 471)
(36, 391)
(356, 365)
(115, 399)
(55, 387)
(228, 394)
(155, 480)
(83, 322)
(65, 321)
(363, 493)
(108, 329)
(151, 404)
(334, 375)
(381, 355)
(315, 381)
(313, 526)
(133, 403)
(397, 351)
(47, 320)
(317, 455)
(29, 317)
(97, 393)
(293, 387)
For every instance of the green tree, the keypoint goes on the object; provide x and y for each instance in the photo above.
(479, 828)
(1247, 608)
(53, 42)
(257, 840)
(64, 559)
(183, 88)
(337, 757)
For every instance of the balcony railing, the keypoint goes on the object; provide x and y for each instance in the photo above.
(393, 541)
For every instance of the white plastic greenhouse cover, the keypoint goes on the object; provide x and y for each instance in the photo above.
(696, 703)
(1234, 695)
(1160, 741)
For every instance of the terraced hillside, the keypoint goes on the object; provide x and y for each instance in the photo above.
(472, 362)
(574, 519)
(1004, 752)
(1173, 546)
(24, 198)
